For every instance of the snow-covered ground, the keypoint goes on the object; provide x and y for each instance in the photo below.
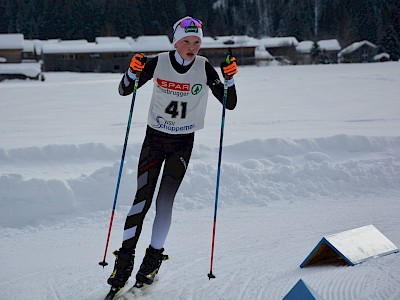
(309, 151)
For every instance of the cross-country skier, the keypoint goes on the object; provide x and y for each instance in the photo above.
(177, 109)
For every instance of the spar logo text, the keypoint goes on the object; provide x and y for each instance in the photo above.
(179, 89)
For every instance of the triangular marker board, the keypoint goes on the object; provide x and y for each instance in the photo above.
(350, 247)
(302, 291)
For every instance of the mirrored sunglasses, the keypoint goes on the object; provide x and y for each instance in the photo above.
(191, 22)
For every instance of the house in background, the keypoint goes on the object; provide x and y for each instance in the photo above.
(304, 52)
(11, 46)
(12, 65)
(358, 52)
(381, 57)
(283, 49)
(82, 56)
(329, 51)
(150, 45)
(30, 51)
(112, 54)
(216, 49)
(324, 51)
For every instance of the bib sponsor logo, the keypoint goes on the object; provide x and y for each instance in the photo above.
(175, 86)
(196, 89)
(171, 126)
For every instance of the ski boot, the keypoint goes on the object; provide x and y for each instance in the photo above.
(122, 268)
(150, 265)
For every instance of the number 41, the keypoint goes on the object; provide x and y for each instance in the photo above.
(173, 109)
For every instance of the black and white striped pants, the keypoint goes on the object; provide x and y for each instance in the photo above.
(174, 150)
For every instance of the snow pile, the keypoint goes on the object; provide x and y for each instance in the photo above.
(254, 172)
(28, 69)
(262, 53)
(284, 169)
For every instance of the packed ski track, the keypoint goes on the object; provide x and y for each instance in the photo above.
(310, 151)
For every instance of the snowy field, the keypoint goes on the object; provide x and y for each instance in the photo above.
(309, 151)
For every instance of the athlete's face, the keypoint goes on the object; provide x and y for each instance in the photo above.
(188, 47)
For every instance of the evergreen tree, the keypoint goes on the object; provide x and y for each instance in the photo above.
(315, 53)
(348, 21)
(390, 34)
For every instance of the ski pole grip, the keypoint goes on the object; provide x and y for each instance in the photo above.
(228, 57)
(228, 60)
(143, 60)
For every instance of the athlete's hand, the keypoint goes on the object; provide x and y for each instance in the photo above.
(137, 63)
(229, 67)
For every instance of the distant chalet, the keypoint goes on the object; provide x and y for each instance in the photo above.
(112, 54)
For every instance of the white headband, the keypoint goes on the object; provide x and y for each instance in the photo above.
(180, 32)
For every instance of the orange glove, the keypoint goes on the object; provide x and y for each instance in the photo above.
(137, 63)
(229, 67)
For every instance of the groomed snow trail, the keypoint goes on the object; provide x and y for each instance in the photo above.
(258, 253)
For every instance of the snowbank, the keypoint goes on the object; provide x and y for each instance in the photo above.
(30, 70)
(255, 172)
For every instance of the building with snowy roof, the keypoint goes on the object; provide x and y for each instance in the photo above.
(11, 46)
(381, 57)
(84, 56)
(282, 49)
(112, 54)
(323, 51)
(358, 52)
(243, 48)
(13, 64)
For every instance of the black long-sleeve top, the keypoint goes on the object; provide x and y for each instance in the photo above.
(213, 80)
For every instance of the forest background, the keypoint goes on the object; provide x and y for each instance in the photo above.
(348, 21)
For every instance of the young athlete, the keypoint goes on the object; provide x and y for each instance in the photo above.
(177, 109)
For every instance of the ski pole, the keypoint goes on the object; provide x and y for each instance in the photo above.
(104, 263)
(221, 139)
